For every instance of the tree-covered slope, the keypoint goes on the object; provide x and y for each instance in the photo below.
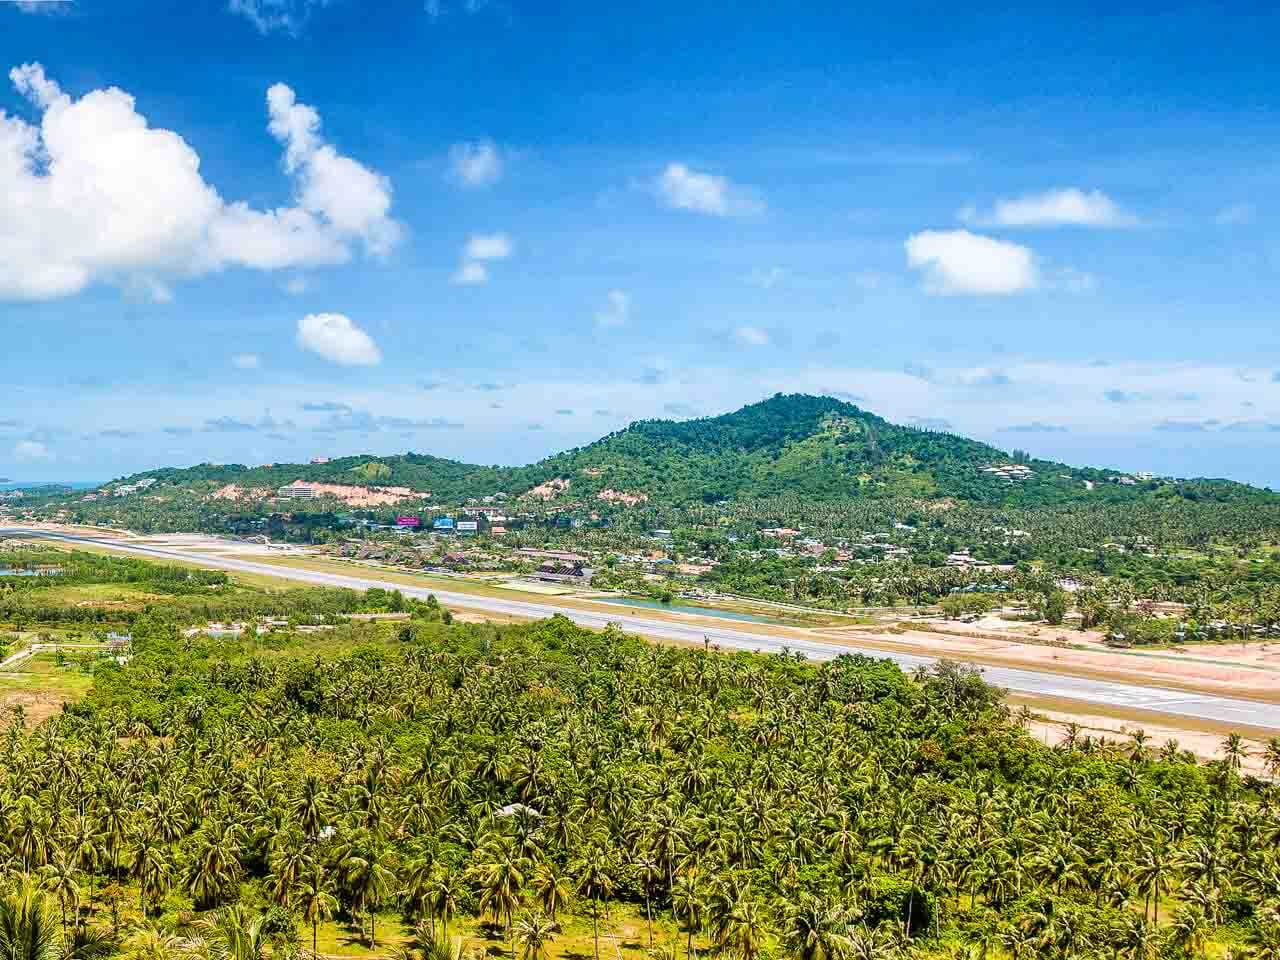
(815, 447)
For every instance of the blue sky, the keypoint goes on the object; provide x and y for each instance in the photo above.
(256, 231)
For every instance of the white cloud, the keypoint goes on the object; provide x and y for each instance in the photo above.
(51, 7)
(94, 194)
(766, 279)
(681, 188)
(960, 262)
(475, 164)
(246, 361)
(295, 286)
(470, 274)
(438, 8)
(488, 246)
(752, 336)
(29, 451)
(335, 337)
(1237, 214)
(481, 247)
(269, 16)
(1053, 208)
(616, 312)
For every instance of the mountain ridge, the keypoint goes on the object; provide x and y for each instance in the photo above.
(788, 444)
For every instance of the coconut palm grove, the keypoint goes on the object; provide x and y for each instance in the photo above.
(355, 784)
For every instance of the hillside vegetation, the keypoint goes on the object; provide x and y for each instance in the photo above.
(816, 447)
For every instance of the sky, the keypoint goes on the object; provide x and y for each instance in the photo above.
(269, 230)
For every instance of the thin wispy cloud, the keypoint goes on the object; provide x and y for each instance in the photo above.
(616, 311)
(477, 164)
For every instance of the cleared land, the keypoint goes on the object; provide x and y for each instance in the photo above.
(1077, 681)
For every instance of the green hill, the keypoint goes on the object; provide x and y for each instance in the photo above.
(813, 447)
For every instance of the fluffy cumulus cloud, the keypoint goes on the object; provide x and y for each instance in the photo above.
(475, 164)
(960, 262)
(616, 311)
(479, 249)
(94, 193)
(336, 338)
(681, 188)
(1069, 207)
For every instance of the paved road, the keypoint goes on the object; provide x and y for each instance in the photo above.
(1106, 693)
(44, 648)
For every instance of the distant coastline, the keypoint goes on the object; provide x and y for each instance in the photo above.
(32, 484)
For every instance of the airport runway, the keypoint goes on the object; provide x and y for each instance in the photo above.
(1107, 693)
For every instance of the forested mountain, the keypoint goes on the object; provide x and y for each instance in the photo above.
(817, 447)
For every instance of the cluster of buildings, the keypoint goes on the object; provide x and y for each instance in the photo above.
(963, 558)
(1010, 472)
(124, 489)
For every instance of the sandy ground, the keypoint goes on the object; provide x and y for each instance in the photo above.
(37, 706)
(1206, 668)
(1051, 727)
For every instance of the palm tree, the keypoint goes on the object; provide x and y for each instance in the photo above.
(502, 877)
(59, 876)
(443, 895)
(426, 946)
(371, 881)
(150, 866)
(235, 932)
(415, 887)
(1271, 756)
(316, 900)
(595, 882)
(1190, 931)
(1152, 875)
(534, 933)
(1138, 938)
(1234, 751)
(649, 873)
(29, 929)
(689, 909)
(552, 887)
(150, 942)
(815, 931)
(215, 865)
(744, 931)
